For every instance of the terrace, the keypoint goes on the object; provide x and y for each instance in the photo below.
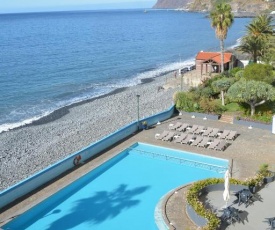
(250, 149)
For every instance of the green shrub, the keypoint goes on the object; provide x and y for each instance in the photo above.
(235, 70)
(211, 106)
(184, 101)
(239, 75)
(259, 72)
(264, 170)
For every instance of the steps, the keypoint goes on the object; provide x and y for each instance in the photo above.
(226, 118)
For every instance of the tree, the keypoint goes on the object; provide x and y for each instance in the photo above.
(222, 85)
(259, 72)
(251, 46)
(253, 93)
(221, 19)
(260, 28)
(257, 41)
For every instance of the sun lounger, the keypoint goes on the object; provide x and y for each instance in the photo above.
(197, 141)
(169, 137)
(193, 129)
(207, 131)
(174, 127)
(199, 130)
(204, 142)
(214, 133)
(221, 146)
(232, 135)
(183, 127)
(214, 144)
(181, 138)
(187, 139)
(161, 136)
(224, 134)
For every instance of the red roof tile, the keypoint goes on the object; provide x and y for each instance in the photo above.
(215, 56)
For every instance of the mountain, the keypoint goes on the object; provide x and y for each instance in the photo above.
(247, 7)
(172, 4)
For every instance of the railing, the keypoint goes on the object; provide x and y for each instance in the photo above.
(178, 160)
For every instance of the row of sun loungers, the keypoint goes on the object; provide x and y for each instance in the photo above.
(201, 130)
(194, 140)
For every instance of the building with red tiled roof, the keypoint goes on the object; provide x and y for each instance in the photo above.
(210, 62)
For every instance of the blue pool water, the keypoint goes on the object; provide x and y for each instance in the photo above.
(120, 194)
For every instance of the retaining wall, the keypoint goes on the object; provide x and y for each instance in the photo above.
(26, 186)
(253, 124)
(202, 115)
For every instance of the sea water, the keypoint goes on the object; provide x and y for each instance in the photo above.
(50, 60)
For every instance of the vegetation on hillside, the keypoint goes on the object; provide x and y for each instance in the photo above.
(252, 88)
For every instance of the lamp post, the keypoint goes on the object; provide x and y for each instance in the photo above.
(181, 79)
(138, 96)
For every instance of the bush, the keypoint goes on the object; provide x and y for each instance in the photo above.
(184, 101)
(211, 106)
(259, 72)
(234, 71)
(264, 170)
(239, 75)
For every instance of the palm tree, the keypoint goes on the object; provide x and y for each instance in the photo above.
(252, 46)
(260, 28)
(258, 39)
(222, 19)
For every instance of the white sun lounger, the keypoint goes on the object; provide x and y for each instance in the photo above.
(174, 127)
(199, 130)
(207, 131)
(221, 146)
(224, 134)
(181, 138)
(214, 133)
(232, 135)
(161, 136)
(204, 142)
(193, 129)
(187, 139)
(214, 144)
(169, 137)
(183, 127)
(197, 141)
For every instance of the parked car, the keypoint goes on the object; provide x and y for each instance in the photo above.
(184, 70)
(191, 67)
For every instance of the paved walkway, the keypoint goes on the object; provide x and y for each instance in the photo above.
(253, 216)
(251, 148)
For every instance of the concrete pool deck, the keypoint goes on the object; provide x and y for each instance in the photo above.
(252, 148)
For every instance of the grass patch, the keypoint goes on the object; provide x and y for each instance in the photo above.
(233, 107)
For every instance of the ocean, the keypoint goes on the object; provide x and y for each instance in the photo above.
(51, 60)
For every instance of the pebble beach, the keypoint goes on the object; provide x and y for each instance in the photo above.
(31, 148)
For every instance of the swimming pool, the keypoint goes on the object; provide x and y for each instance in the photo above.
(120, 194)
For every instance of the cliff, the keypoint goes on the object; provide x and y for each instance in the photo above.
(239, 7)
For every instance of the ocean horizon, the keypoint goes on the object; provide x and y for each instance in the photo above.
(54, 59)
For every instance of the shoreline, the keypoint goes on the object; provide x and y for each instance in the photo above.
(28, 149)
(60, 112)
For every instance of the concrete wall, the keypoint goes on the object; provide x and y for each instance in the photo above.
(252, 124)
(46, 175)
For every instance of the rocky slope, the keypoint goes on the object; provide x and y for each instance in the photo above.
(238, 6)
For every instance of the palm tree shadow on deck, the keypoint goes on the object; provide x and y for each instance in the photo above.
(101, 206)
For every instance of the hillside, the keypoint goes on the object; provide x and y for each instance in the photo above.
(238, 6)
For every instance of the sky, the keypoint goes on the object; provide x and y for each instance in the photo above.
(14, 6)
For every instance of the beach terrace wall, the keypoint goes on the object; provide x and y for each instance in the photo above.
(28, 185)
